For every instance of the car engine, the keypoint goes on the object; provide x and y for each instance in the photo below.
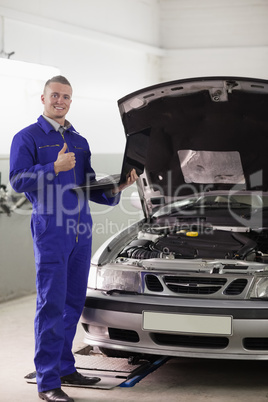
(202, 243)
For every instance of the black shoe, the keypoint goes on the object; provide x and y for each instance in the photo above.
(55, 395)
(79, 379)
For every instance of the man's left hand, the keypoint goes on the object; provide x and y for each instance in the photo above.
(131, 178)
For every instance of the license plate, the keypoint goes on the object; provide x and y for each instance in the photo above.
(187, 323)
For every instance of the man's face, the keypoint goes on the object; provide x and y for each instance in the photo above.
(57, 99)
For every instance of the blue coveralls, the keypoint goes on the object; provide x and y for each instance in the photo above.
(61, 229)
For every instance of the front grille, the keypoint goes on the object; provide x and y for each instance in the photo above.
(196, 285)
(190, 341)
(153, 284)
(236, 287)
(123, 335)
(255, 343)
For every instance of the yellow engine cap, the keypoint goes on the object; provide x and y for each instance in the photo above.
(192, 234)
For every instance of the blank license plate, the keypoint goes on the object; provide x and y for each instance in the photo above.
(189, 323)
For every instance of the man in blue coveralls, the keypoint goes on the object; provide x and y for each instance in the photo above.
(47, 160)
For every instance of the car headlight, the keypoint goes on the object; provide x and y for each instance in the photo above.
(260, 288)
(118, 278)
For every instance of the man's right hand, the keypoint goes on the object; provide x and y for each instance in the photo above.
(65, 161)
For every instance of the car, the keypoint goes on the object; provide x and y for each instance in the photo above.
(190, 278)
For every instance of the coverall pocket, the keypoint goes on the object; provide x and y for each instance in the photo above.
(80, 149)
(40, 224)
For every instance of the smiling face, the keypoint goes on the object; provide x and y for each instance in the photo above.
(57, 99)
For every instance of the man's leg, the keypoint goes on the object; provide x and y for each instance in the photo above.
(78, 269)
(51, 283)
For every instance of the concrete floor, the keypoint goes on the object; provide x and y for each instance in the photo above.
(180, 379)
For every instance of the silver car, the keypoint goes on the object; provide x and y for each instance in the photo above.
(191, 278)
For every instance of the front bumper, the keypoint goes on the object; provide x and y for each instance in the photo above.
(116, 322)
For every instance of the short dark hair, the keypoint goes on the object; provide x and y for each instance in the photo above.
(58, 78)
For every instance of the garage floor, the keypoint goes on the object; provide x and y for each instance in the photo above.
(180, 379)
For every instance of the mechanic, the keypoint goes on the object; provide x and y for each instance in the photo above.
(47, 160)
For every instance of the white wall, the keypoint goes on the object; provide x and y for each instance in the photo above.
(106, 48)
(135, 20)
(214, 37)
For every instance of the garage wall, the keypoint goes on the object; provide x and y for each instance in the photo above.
(214, 37)
(106, 48)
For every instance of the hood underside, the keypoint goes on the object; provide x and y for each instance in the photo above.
(198, 135)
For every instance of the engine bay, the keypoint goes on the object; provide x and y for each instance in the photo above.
(205, 243)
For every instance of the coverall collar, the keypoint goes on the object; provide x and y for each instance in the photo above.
(49, 125)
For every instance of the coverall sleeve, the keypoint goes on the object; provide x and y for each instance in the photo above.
(25, 174)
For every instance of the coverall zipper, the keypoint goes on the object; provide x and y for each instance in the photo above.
(79, 209)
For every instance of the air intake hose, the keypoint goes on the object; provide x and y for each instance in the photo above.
(248, 246)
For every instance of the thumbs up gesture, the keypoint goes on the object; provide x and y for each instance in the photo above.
(63, 149)
(65, 160)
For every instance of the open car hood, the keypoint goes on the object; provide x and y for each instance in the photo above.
(197, 135)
